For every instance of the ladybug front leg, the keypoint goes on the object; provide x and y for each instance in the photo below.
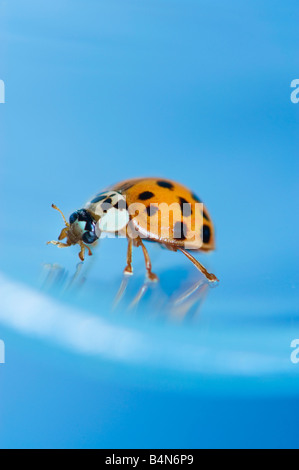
(59, 244)
(82, 251)
(63, 233)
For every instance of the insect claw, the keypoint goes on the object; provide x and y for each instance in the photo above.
(211, 277)
(52, 242)
(152, 277)
(59, 244)
(128, 271)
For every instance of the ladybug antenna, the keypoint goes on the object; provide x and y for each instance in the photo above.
(65, 221)
(63, 233)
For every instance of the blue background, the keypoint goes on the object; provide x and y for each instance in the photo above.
(197, 91)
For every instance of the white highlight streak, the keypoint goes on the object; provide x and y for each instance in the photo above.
(33, 313)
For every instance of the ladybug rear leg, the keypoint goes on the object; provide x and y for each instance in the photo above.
(209, 276)
(150, 275)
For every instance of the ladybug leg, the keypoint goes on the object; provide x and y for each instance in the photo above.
(59, 244)
(89, 250)
(200, 267)
(128, 269)
(63, 233)
(151, 276)
(82, 251)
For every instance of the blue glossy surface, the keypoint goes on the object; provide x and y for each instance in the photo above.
(196, 91)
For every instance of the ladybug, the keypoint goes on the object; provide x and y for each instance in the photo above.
(143, 209)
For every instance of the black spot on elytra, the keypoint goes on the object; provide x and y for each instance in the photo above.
(165, 184)
(98, 199)
(121, 204)
(179, 231)
(106, 205)
(196, 198)
(185, 207)
(206, 234)
(145, 195)
(205, 215)
(151, 210)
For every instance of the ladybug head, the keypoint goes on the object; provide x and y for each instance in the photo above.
(79, 230)
(82, 227)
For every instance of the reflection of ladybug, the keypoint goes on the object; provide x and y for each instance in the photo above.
(149, 209)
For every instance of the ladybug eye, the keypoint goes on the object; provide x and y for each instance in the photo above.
(89, 237)
(73, 217)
